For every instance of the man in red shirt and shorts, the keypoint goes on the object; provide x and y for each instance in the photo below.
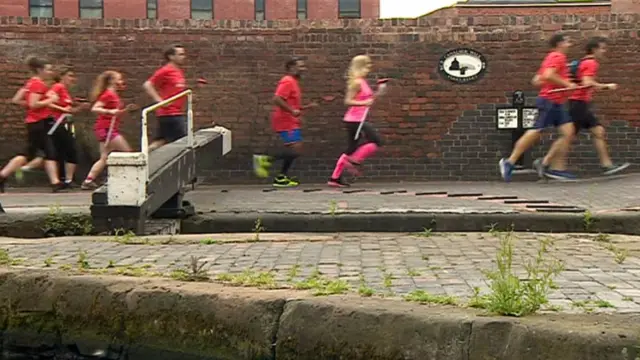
(553, 74)
(285, 120)
(166, 82)
(580, 108)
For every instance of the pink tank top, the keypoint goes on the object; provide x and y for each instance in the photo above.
(358, 113)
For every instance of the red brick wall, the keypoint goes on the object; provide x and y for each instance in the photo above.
(67, 9)
(534, 10)
(432, 128)
(125, 9)
(180, 9)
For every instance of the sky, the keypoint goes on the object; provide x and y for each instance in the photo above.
(411, 8)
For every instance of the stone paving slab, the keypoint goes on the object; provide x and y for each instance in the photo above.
(599, 195)
(601, 272)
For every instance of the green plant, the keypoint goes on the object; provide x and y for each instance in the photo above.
(477, 301)
(587, 220)
(293, 272)
(263, 280)
(424, 297)
(514, 297)
(58, 223)
(83, 262)
(209, 241)
(195, 272)
(48, 262)
(127, 237)
(5, 259)
(606, 238)
(257, 229)
(321, 286)
(363, 289)
(137, 271)
(425, 232)
(412, 272)
(333, 207)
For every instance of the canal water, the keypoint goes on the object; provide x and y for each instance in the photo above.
(72, 352)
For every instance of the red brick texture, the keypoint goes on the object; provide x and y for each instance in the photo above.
(534, 10)
(181, 9)
(432, 128)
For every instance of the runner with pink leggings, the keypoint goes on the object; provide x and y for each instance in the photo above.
(110, 108)
(359, 98)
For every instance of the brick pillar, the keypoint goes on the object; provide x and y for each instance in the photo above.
(625, 6)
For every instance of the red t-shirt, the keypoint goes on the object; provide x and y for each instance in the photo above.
(64, 99)
(169, 81)
(587, 67)
(554, 60)
(289, 90)
(35, 85)
(111, 100)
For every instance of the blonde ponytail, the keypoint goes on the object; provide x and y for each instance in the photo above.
(101, 84)
(356, 71)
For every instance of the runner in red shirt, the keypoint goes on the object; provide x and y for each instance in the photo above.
(38, 119)
(580, 102)
(109, 108)
(553, 74)
(285, 120)
(166, 82)
(64, 134)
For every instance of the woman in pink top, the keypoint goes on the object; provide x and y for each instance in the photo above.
(359, 98)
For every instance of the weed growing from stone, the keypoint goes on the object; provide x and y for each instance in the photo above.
(58, 223)
(137, 271)
(128, 237)
(476, 300)
(209, 241)
(627, 298)
(412, 272)
(426, 232)
(363, 289)
(111, 264)
(83, 262)
(333, 207)
(554, 308)
(257, 229)
(321, 286)
(619, 254)
(248, 278)
(195, 271)
(48, 262)
(5, 259)
(588, 220)
(605, 238)
(65, 267)
(509, 294)
(589, 305)
(293, 272)
(423, 297)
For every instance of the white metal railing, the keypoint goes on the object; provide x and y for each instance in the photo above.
(144, 141)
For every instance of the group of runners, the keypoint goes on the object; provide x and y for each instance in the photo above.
(50, 107)
(288, 109)
(564, 102)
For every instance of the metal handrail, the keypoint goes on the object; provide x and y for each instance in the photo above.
(144, 146)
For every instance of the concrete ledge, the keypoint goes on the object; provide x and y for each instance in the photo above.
(35, 225)
(614, 223)
(145, 318)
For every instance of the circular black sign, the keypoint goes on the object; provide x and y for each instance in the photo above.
(462, 65)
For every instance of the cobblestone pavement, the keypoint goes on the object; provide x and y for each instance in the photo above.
(602, 273)
(597, 195)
